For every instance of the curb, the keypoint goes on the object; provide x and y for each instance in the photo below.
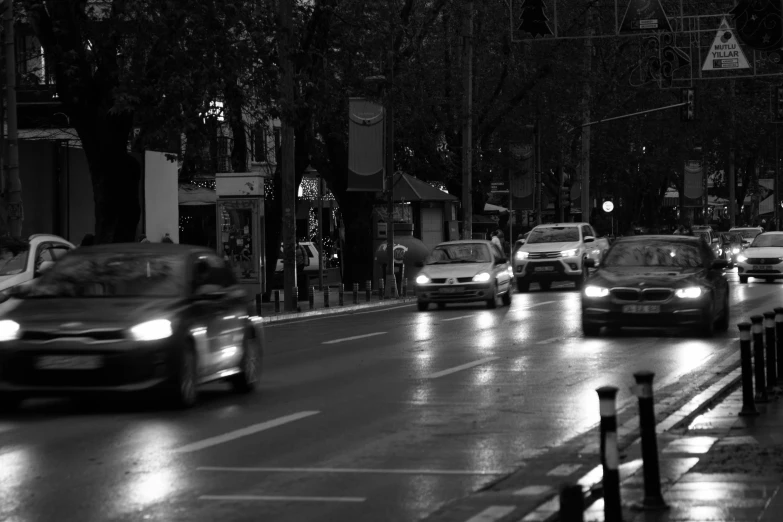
(336, 310)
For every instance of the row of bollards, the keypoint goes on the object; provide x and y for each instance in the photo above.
(761, 359)
(340, 295)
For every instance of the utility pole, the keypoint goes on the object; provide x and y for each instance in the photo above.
(391, 279)
(586, 94)
(538, 200)
(732, 177)
(288, 157)
(14, 186)
(467, 124)
(320, 232)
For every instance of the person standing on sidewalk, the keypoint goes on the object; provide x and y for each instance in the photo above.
(302, 260)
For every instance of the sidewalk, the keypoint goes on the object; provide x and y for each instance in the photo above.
(721, 467)
(269, 315)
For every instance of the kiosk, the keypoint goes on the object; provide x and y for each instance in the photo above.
(240, 226)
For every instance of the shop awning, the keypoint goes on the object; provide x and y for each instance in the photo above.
(407, 188)
(194, 195)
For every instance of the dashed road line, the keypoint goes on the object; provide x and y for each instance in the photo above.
(537, 304)
(461, 367)
(564, 470)
(244, 432)
(533, 491)
(460, 317)
(277, 498)
(355, 337)
(374, 471)
(492, 513)
(549, 341)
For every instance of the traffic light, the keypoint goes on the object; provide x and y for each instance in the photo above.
(688, 111)
(779, 103)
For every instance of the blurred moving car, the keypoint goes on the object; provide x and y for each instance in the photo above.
(657, 281)
(464, 271)
(732, 245)
(763, 259)
(22, 260)
(127, 318)
(711, 238)
(748, 233)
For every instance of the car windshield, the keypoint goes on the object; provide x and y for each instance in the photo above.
(13, 256)
(459, 253)
(113, 275)
(747, 233)
(654, 253)
(768, 240)
(553, 235)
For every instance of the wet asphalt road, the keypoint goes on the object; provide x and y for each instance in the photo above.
(383, 415)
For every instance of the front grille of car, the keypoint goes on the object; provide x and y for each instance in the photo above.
(656, 294)
(442, 280)
(464, 279)
(91, 335)
(625, 294)
(543, 255)
(764, 260)
(438, 280)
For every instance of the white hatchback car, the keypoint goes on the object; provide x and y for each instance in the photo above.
(763, 259)
(22, 260)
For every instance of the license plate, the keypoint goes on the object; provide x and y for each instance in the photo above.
(452, 290)
(641, 309)
(545, 269)
(69, 362)
(762, 267)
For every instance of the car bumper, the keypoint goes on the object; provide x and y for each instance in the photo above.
(122, 366)
(548, 269)
(746, 269)
(456, 293)
(606, 313)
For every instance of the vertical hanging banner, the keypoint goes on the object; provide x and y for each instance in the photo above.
(694, 184)
(365, 146)
(522, 177)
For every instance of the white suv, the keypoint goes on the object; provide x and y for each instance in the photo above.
(22, 260)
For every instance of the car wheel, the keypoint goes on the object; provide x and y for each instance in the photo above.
(590, 330)
(184, 391)
(723, 323)
(422, 305)
(743, 279)
(522, 286)
(492, 302)
(441, 306)
(580, 282)
(545, 285)
(249, 368)
(10, 402)
(507, 297)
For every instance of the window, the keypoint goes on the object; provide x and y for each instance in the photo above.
(278, 143)
(258, 144)
(59, 250)
(586, 231)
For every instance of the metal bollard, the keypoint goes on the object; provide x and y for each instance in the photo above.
(769, 327)
(356, 293)
(294, 298)
(381, 289)
(368, 290)
(653, 499)
(610, 455)
(779, 339)
(572, 504)
(258, 304)
(311, 297)
(341, 295)
(757, 330)
(326, 297)
(748, 402)
(277, 301)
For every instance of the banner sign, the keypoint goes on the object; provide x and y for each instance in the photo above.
(694, 184)
(522, 178)
(365, 146)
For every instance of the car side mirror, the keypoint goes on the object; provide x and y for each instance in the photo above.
(419, 264)
(589, 239)
(719, 264)
(590, 262)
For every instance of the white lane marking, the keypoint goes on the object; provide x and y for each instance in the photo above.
(288, 322)
(244, 432)
(492, 513)
(267, 498)
(548, 341)
(459, 368)
(538, 304)
(563, 470)
(390, 471)
(460, 317)
(335, 341)
(533, 491)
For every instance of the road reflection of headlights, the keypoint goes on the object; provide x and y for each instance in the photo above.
(522, 255)
(596, 291)
(692, 292)
(568, 253)
(483, 277)
(152, 330)
(422, 280)
(9, 330)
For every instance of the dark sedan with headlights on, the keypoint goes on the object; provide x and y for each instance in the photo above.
(657, 281)
(126, 318)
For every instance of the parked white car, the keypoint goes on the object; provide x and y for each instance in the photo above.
(21, 261)
(763, 259)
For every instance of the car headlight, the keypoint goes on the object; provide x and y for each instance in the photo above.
(152, 330)
(9, 330)
(510, 271)
(422, 280)
(691, 292)
(522, 255)
(483, 277)
(596, 291)
(735, 250)
(568, 253)
(742, 259)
